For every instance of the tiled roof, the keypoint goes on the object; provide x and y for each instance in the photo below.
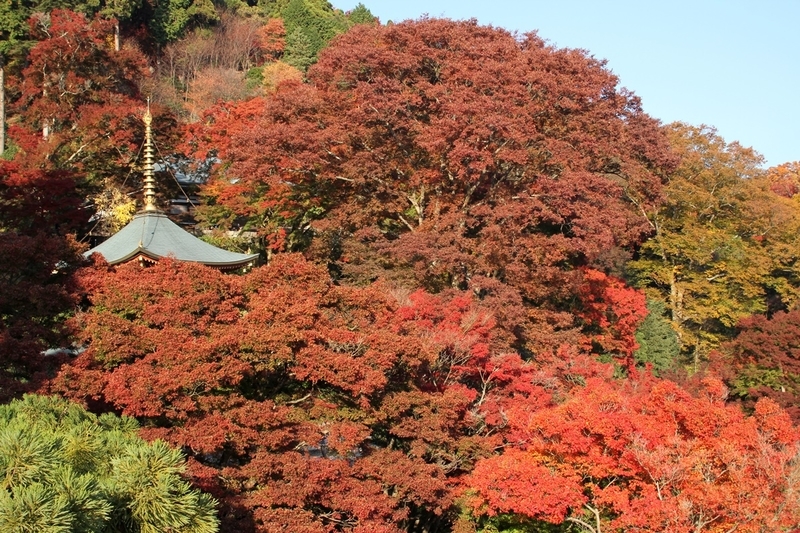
(153, 235)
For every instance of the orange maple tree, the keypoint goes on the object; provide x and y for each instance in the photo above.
(645, 455)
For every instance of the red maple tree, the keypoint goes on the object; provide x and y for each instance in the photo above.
(445, 155)
(296, 398)
(763, 360)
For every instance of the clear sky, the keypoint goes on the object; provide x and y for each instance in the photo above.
(731, 64)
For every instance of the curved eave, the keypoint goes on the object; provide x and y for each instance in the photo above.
(152, 236)
(142, 255)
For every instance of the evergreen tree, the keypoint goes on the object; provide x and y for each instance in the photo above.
(316, 19)
(361, 15)
(172, 18)
(658, 343)
(65, 470)
(299, 50)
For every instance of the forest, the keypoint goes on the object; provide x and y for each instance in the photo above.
(495, 295)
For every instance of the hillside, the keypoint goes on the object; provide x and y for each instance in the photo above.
(497, 296)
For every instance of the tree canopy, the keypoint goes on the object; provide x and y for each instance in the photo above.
(723, 243)
(449, 155)
(653, 459)
(498, 296)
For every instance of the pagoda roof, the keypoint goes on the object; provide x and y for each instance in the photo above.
(151, 236)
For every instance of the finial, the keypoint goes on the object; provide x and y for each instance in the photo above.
(147, 118)
(149, 179)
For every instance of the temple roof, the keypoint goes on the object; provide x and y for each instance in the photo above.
(151, 236)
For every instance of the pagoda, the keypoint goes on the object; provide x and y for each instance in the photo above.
(151, 236)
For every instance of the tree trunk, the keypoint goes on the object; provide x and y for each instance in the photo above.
(676, 303)
(116, 37)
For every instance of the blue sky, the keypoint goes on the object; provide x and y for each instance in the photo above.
(732, 64)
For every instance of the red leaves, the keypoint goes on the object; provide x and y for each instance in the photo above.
(73, 65)
(521, 483)
(78, 110)
(221, 123)
(33, 200)
(324, 407)
(431, 423)
(450, 155)
(770, 343)
(650, 457)
(35, 294)
(775, 424)
(371, 494)
(764, 360)
(613, 311)
(159, 334)
(272, 38)
(343, 499)
(299, 393)
(784, 179)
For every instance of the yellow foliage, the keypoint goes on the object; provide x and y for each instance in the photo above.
(725, 245)
(278, 72)
(114, 208)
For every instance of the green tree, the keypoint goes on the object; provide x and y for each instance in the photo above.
(316, 19)
(361, 15)
(172, 18)
(658, 343)
(299, 50)
(65, 470)
(119, 10)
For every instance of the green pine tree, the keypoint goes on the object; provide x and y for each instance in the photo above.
(658, 342)
(299, 50)
(361, 15)
(65, 470)
(173, 18)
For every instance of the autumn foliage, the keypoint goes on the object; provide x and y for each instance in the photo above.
(445, 155)
(35, 293)
(79, 95)
(319, 407)
(646, 456)
(723, 242)
(463, 230)
(763, 360)
(615, 311)
(289, 392)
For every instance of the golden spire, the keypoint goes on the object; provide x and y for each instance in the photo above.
(149, 180)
